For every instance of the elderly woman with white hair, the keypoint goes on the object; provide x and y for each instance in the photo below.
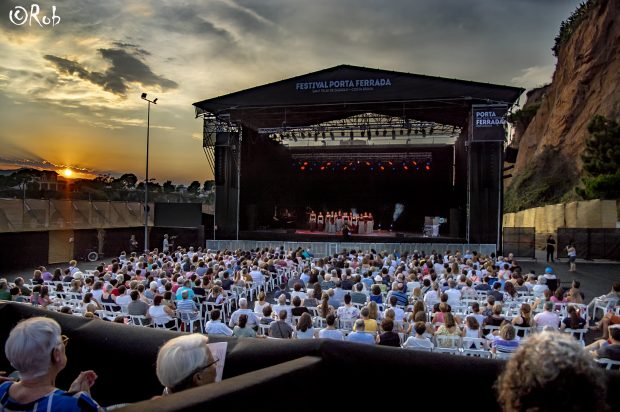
(185, 362)
(36, 348)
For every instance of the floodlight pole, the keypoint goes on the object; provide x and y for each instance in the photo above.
(146, 181)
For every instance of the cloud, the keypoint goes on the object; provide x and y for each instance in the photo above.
(125, 68)
(534, 76)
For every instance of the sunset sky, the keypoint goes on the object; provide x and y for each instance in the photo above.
(70, 94)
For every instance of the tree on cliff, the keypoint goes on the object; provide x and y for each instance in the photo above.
(601, 160)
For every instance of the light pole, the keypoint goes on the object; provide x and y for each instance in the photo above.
(146, 179)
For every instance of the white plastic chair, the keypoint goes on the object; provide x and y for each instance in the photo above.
(475, 347)
(608, 363)
(448, 344)
(189, 318)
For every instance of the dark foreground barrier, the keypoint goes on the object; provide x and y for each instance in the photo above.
(270, 374)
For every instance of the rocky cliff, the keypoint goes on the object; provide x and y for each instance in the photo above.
(586, 82)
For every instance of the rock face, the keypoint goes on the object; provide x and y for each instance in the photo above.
(586, 82)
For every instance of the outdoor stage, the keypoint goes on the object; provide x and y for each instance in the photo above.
(379, 236)
(401, 147)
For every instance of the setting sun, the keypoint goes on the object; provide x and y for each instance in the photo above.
(67, 173)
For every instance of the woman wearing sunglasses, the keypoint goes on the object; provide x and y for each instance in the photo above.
(36, 349)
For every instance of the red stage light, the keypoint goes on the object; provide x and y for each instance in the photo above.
(344, 168)
(303, 168)
(382, 168)
(305, 163)
(406, 167)
(428, 167)
(390, 163)
(329, 163)
(415, 163)
(367, 163)
(323, 167)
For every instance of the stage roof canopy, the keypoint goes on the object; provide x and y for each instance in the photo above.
(345, 90)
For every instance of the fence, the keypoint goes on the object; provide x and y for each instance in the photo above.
(17, 215)
(520, 241)
(330, 248)
(591, 243)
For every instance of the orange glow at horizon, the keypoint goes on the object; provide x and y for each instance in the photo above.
(68, 173)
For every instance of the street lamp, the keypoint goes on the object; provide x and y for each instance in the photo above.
(146, 180)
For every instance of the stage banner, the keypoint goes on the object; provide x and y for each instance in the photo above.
(488, 123)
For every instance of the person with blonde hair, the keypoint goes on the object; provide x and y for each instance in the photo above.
(36, 349)
(185, 362)
(551, 371)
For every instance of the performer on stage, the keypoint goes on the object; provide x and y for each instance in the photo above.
(361, 225)
(312, 221)
(339, 222)
(355, 223)
(320, 222)
(370, 224)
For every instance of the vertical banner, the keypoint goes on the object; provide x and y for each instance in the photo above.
(488, 123)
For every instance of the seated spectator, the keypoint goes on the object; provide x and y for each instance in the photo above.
(360, 335)
(310, 301)
(267, 319)
(330, 331)
(89, 304)
(214, 325)
(216, 295)
(281, 305)
(604, 349)
(281, 328)
(185, 362)
(260, 303)
(252, 319)
(297, 309)
(36, 348)
(137, 307)
(547, 318)
(347, 312)
(419, 340)
(161, 315)
(388, 337)
(358, 296)
(370, 325)
(495, 319)
(304, 327)
(551, 371)
(24, 290)
(375, 294)
(507, 341)
(573, 320)
(242, 329)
